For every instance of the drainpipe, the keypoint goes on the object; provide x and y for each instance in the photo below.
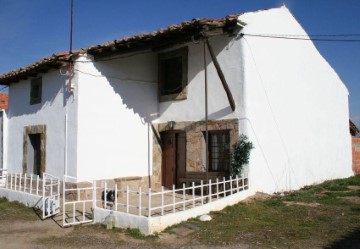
(66, 132)
(206, 114)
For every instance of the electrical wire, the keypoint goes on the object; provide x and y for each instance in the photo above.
(116, 78)
(307, 38)
(3, 88)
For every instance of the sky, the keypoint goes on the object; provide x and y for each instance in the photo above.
(31, 30)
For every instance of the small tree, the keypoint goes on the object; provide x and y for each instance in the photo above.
(240, 154)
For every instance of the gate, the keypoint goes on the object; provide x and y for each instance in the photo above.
(78, 201)
(51, 196)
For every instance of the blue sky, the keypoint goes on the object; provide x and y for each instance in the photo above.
(31, 30)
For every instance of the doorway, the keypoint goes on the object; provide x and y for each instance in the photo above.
(34, 150)
(173, 165)
(34, 154)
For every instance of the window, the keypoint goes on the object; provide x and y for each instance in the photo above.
(35, 91)
(173, 67)
(219, 151)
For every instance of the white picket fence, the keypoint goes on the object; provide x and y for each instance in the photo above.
(146, 209)
(31, 184)
(150, 203)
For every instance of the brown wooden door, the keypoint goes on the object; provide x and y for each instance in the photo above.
(173, 157)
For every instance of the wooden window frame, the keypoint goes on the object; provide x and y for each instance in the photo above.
(183, 53)
(222, 158)
(35, 83)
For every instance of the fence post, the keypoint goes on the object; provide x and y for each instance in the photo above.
(25, 182)
(224, 186)
(193, 193)
(231, 182)
(20, 182)
(209, 184)
(64, 200)
(139, 201)
(173, 198)
(43, 193)
(162, 200)
(242, 182)
(37, 185)
(105, 195)
(11, 181)
(127, 199)
(6, 180)
(149, 203)
(51, 186)
(15, 180)
(217, 188)
(202, 192)
(184, 198)
(31, 183)
(237, 183)
(93, 195)
(116, 198)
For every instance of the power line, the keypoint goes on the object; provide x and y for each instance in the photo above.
(3, 88)
(308, 35)
(306, 38)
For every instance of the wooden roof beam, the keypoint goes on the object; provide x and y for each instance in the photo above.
(221, 75)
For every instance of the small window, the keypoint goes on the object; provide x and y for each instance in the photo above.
(219, 150)
(35, 91)
(173, 67)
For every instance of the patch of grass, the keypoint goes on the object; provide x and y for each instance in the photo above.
(271, 223)
(10, 211)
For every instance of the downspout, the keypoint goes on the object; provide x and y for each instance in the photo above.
(70, 87)
(66, 135)
(206, 114)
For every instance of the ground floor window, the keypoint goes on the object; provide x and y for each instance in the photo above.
(219, 150)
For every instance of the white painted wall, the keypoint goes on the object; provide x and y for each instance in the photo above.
(50, 112)
(4, 139)
(296, 107)
(117, 102)
(27, 199)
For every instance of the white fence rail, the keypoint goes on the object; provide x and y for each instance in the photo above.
(78, 201)
(51, 195)
(31, 184)
(3, 173)
(150, 203)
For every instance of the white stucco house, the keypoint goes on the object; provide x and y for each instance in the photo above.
(135, 107)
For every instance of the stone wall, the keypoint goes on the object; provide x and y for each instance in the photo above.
(194, 143)
(356, 155)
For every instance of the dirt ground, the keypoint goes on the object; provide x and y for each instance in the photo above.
(47, 234)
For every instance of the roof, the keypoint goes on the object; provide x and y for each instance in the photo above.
(353, 129)
(171, 35)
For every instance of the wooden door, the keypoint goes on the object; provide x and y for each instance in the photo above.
(173, 157)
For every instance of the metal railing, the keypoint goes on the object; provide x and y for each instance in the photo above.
(31, 184)
(77, 201)
(150, 203)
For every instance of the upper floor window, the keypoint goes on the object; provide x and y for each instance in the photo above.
(173, 70)
(35, 91)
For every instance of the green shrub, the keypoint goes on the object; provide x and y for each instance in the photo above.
(240, 154)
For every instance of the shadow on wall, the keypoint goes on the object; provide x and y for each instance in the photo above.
(134, 80)
(196, 71)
